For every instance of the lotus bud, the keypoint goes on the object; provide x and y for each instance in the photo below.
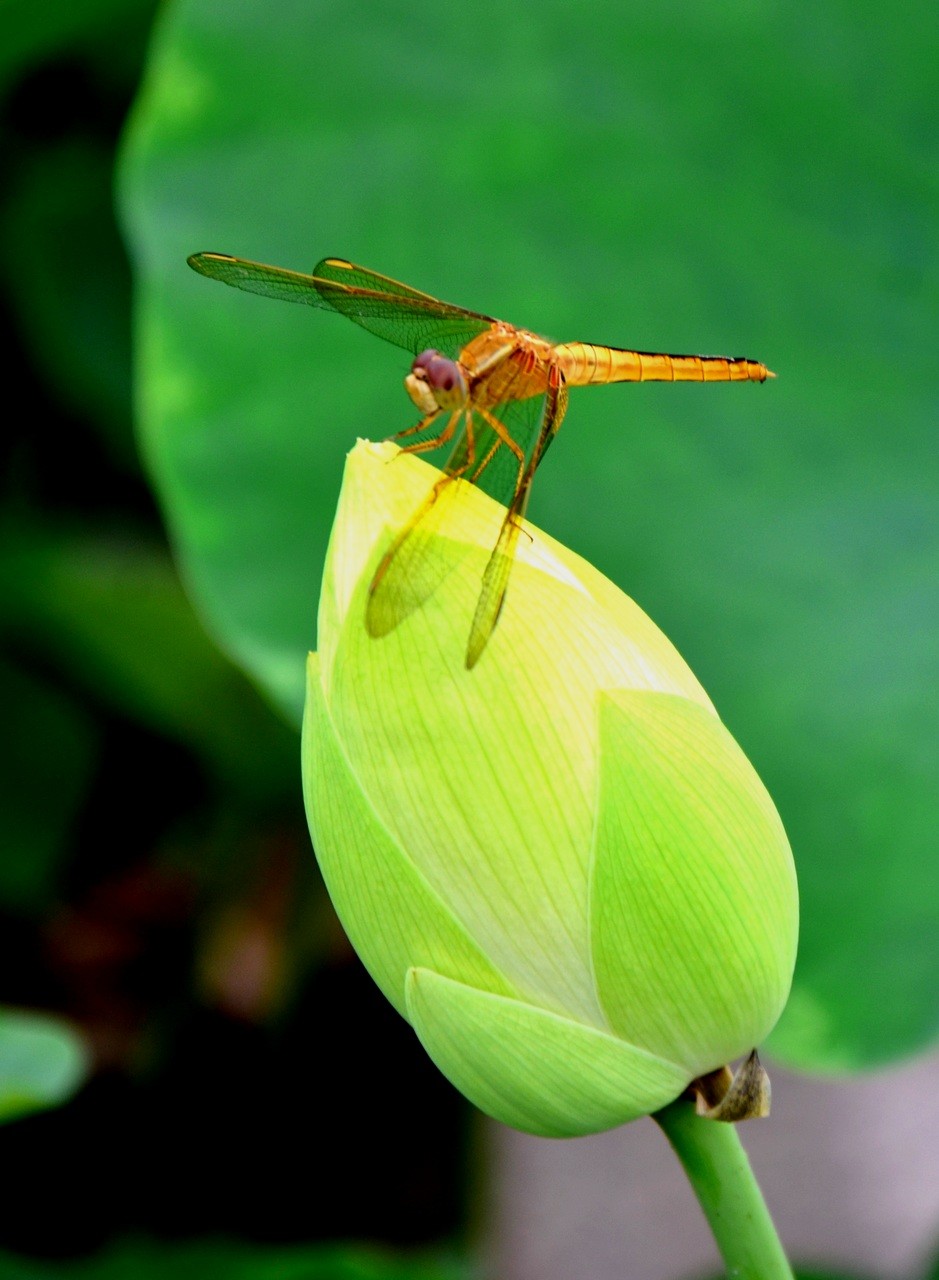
(558, 866)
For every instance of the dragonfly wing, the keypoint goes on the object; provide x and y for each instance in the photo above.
(415, 320)
(498, 449)
(393, 311)
(339, 271)
(413, 567)
(528, 421)
(496, 577)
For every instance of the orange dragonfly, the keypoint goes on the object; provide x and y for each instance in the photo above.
(496, 393)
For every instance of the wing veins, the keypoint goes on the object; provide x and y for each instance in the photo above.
(405, 317)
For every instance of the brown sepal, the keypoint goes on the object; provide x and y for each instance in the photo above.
(743, 1095)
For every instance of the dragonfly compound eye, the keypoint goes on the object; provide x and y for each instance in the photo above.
(443, 377)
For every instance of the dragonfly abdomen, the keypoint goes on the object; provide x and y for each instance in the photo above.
(584, 364)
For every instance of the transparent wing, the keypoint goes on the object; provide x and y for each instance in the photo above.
(393, 311)
(415, 566)
(417, 562)
(496, 576)
(507, 437)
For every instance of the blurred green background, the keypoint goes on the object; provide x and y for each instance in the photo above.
(758, 180)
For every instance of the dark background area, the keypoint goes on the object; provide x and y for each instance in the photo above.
(737, 178)
(152, 893)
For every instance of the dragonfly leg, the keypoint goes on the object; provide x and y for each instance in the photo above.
(427, 446)
(469, 446)
(418, 427)
(503, 437)
(464, 455)
(485, 461)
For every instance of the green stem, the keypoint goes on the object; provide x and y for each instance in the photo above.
(718, 1169)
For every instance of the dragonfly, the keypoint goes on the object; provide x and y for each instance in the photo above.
(494, 393)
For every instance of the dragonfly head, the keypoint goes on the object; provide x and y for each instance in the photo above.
(436, 382)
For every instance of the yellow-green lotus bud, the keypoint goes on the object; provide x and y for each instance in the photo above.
(558, 866)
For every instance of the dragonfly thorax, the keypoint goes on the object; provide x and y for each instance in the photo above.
(436, 382)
